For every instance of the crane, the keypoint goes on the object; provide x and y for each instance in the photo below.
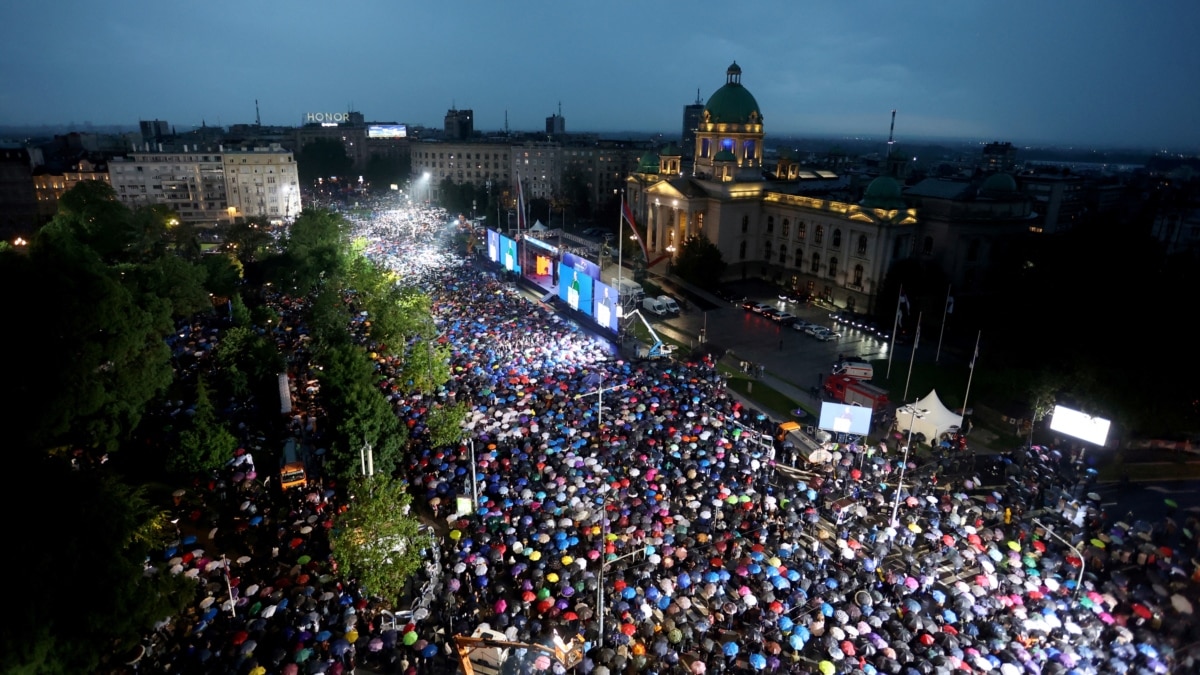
(656, 349)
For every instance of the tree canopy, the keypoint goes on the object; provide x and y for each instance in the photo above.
(376, 540)
(699, 262)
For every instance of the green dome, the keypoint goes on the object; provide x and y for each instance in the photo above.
(672, 150)
(648, 163)
(725, 156)
(999, 185)
(733, 103)
(883, 193)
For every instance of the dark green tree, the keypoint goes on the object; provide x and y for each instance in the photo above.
(223, 274)
(323, 158)
(377, 541)
(314, 251)
(205, 444)
(248, 239)
(170, 279)
(444, 423)
(359, 412)
(699, 262)
(382, 172)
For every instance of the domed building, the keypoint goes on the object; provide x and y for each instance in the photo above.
(780, 225)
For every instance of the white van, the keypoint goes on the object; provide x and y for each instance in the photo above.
(859, 370)
(669, 303)
(627, 288)
(654, 305)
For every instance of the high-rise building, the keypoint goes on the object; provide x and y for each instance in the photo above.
(154, 131)
(459, 124)
(998, 157)
(693, 113)
(556, 125)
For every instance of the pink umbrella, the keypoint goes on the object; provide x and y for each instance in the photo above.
(501, 605)
(698, 667)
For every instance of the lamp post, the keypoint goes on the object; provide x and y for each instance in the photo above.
(1082, 566)
(425, 177)
(915, 415)
(600, 585)
(600, 400)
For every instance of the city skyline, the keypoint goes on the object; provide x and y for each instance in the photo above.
(1091, 73)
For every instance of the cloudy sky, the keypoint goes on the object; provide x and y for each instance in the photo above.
(1092, 72)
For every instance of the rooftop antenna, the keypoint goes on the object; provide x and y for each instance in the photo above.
(257, 117)
(697, 95)
(505, 122)
(892, 134)
(560, 108)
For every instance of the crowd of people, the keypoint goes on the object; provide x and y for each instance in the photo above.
(640, 505)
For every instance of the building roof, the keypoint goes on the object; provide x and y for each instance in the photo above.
(939, 188)
(999, 185)
(733, 103)
(648, 163)
(883, 193)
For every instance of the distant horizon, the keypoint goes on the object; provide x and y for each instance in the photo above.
(771, 138)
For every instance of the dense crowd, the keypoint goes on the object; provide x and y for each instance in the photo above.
(664, 517)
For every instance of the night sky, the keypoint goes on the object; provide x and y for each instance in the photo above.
(1089, 72)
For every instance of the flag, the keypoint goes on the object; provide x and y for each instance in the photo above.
(949, 304)
(903, 302)
(627, 214)
(975, 355)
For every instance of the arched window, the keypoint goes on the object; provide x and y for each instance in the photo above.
(858, 274)
(928, 248)
(785, 227)
(800, 229)
(767, 251)
(770, 224)
(816, 263)
(837, 238)
(745, 224)
(782, 254)
(818, 235)
(862, 244)
(742, 251)
(832, 266)
(748, 150)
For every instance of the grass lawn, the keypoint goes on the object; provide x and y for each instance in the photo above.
(763, 395)
(205, 248)
(1150, 471)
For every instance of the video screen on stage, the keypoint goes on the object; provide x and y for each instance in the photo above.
(493, 245)
(845, 419)
(606, 306)
(509, 258)
(1080, 425)
(575, 288)
(582, 264)
(387, 131)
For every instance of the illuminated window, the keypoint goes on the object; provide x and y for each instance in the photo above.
(800, 230)
(818, 235)
(786, 227)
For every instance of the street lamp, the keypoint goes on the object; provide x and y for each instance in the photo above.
(1082, 566)
(914, 416)
(600, 400)
(425, 177)
(600, 584)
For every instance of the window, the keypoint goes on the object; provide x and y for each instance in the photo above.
(837, 238)
(785, 227)
(742, 251)
(782, 254)
(816, 263)
(767, 251)
(800, 229)
(727, 144)
(927, 249)
(818, 235)
(745, 224)
(770, 224)
(748, 149)
(862, 244)
(858, 274)
(833, 266)
(799, 257)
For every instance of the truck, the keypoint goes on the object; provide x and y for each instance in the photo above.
(846, 389)
(669, 303)
(859, 370)
(627, 289)
(654, 305)
(291, 466)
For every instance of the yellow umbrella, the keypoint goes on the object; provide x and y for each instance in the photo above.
(352, 636)
(915, 528)
(1014, 545)
(1097, 543)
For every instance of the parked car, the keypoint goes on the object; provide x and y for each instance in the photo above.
(770, 312)
(829, 334)
(786, 318)
(814, 328)
(760, 308)
(800, 325)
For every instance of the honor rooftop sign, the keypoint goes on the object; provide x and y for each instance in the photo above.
(326, 117)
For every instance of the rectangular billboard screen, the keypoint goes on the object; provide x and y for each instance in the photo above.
(387, 131)
(1080, 425)
(509, 258)
(845, 419)
(582, 264)
(575, 288)
(493, 245)
(605, 311)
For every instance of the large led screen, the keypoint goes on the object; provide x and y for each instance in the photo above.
(509, 258)
(606, 306)
(387, 131)
(845, 419)
(1080, 425)
(575, 288)
(582, 264)
(493, 245)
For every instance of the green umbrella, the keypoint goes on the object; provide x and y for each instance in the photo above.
(304, 560)
(1171, 503)
(303, 655)
(410, 638)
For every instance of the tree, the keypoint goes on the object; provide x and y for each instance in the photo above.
(248, 239)
(444, 424)
(223, 274)
(314, 250)
(376, 541)
(359, 412)
(699, 262)
(169, 278)
(206, 444)
(104, 531)
(382, 172)
(323, 158)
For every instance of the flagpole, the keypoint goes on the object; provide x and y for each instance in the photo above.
(945, 312)
(916, 343)
(971, 375)
(620, 259)
(895, 327)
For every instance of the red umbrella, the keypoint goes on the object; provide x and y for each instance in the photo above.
(1039, 545)
(1142, 611)
(295, 542)
(926, 639)
(947, 540)
(570, 616)
(628, 629)
(717, 562)
(240, 637)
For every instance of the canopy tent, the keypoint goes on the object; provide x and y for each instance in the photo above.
(538, 226)
(935, 420)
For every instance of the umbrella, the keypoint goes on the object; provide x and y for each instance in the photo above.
(1181, 604)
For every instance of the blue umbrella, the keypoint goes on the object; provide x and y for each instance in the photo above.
(429, 651)
(758, 661)
(796, 641)
(730, 649)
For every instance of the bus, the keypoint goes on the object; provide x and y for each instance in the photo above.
(291, 467)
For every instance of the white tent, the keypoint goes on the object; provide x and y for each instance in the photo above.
(934, 421)
(538, 226)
